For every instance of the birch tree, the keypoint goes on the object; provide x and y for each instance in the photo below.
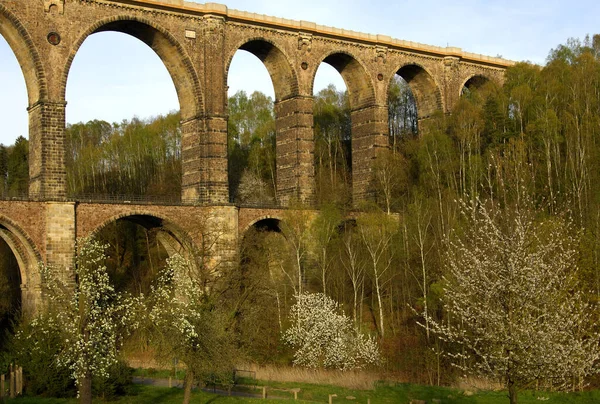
(377, 231)
(324, 230)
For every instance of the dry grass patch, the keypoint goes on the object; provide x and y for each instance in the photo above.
(477, 384)
(355, 380)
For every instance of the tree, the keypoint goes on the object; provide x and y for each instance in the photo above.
(377, 231)
(251, 142)
(89, 317)
(322, 337)
(3, 169)
(295, 227)
(354, 265)
(514, 306)
(389, 177)
(324, 231)
(402, 111)
(186, 324)
(18, 167)
(333, 164)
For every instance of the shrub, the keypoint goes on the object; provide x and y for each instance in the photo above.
(35, 347)
(322, 337)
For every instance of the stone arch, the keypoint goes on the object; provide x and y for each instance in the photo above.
(361, 90)
(167, 47)
(474, 82)
(424, 88)
(275, 60)
(26, 53)
(28, 259)
(268, 218)
(171, 236)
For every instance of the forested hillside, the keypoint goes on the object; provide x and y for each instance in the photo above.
(533, 142)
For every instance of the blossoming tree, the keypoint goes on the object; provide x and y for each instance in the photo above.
(88, 315)
(514, 308)
(322, 337)
(186, 324)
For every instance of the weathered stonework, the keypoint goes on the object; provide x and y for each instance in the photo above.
(197, 42)
(47, 232)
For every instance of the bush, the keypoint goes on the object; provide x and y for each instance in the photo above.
(35, 347)
(118, 383)
(322, 337)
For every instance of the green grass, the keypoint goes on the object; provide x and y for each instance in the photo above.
(383, 394)
(159, 373)
(149, 395)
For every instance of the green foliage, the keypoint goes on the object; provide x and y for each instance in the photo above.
(35, 347)
(15, 163)
(333, 151)
(118, 383)
(251, 148)
(134, 157)
(185, 324)
(402, 111)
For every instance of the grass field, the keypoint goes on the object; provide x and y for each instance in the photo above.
(310, 393)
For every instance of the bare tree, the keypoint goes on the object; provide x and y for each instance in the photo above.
(377, 231)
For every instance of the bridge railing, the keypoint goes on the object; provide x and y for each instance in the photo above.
(136, 200)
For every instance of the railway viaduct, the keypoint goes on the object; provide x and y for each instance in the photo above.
(197, 42)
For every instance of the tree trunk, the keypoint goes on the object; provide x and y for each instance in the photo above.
(187, 389)
(378, 289)
(85, 389)
(512, 392)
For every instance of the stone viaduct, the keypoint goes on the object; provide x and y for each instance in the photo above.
(197, 42)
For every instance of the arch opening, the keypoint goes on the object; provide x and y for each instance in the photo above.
(19, 271)
(367, 126)
(110, 150)
(10, 289)
(251, 128)
(426, 94)
(263, 283)
(283, 77)
(21, 89)
(475, 84)
(138, 247)
(332, 124)
(402, 111)
(360, 89)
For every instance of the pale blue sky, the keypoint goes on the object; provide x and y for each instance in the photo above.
(116, 77)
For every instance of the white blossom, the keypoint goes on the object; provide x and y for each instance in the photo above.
(515, 311)
(87, 313)
(322, 337)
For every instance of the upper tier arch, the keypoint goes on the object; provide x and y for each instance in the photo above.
(25, 50)
(169, 50)
(475, 82)
(423, 86)
(275, 60)
(360, 87)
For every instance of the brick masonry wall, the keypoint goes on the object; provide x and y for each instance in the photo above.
(60, 234)
(196, 43)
